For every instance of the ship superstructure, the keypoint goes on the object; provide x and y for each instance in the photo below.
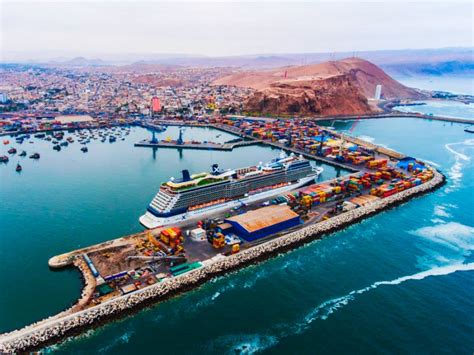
(195, 195)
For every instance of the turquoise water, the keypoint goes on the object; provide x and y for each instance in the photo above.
(68, 199)
(399, 282)
(459, 84)
(442, 108)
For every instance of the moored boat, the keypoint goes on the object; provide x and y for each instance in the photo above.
(22, 154)
(193, 196)
(4, 159)
(18, 167)
(35, 156)
(11, 151)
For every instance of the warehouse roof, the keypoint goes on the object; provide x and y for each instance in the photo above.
(264, 217)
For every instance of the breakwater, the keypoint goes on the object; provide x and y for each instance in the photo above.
(52, 330)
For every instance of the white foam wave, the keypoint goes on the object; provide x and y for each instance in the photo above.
(455, 173)
(325, 309)
(454, 235)
(440, 211)
(243, 343)
(121, 340)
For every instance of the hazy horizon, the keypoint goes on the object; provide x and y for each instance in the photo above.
(37, 30)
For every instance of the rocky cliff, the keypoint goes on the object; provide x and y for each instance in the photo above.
(331, 88)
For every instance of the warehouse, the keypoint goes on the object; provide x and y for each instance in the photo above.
(264, 221)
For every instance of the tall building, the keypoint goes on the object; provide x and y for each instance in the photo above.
(378, 92)
(3, 98)
(155, 105)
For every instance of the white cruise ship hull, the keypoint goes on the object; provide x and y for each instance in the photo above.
(150, 221)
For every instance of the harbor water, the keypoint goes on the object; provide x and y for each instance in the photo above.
(401, 281)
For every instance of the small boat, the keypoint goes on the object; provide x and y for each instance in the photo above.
(22, 154)
(112, 139)
(64, 144)
(40, 135)
(35, 156)
(468, 130)
(6, 141)
(18, 167)
(84, 149)
(11, 151)
(4, 159)
(48, 138)
(57, 147)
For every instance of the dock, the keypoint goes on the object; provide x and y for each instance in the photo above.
(196, 145)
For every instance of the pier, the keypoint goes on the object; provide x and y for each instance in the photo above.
(196, 145)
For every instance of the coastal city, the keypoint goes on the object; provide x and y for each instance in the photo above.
(111, 93)
(170, 172)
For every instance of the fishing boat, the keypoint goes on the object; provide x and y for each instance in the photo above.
(18, 167)
(22, 154)
(35, 156)
(112, 139)
(4, 159)
(57, 147)
(6, 141)
(11, 151)
(84, 149)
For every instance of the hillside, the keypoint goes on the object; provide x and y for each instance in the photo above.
(330, 88)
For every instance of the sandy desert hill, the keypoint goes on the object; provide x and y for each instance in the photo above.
(329, 88)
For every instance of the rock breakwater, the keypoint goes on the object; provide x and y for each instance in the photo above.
(53, 329)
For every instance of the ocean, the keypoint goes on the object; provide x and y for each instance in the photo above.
(401, 281)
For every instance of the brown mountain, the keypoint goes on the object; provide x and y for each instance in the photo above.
(330, 88)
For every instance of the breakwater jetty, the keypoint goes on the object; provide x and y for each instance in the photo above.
(48, 331)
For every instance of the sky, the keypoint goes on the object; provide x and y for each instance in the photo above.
(106, 29)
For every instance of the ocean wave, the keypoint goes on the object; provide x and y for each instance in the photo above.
(121, 340)
(455, 172)
(440, 211)
(325, 309)
(243, 343)
(454, 235)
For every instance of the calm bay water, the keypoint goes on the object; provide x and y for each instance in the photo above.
(394, 282)
(441, 108)
(68, 199)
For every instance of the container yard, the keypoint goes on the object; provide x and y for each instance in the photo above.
(134, 262)
(155, 264)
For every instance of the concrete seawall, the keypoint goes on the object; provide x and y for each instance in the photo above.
(49, 331)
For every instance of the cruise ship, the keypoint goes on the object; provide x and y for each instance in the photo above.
(194, 196)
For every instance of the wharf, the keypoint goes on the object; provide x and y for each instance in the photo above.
(196, 145)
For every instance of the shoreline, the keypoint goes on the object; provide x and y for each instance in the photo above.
(42, 334)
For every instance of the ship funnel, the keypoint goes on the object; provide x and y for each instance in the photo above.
(186, 176)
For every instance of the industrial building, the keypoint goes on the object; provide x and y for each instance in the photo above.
(264, 221)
